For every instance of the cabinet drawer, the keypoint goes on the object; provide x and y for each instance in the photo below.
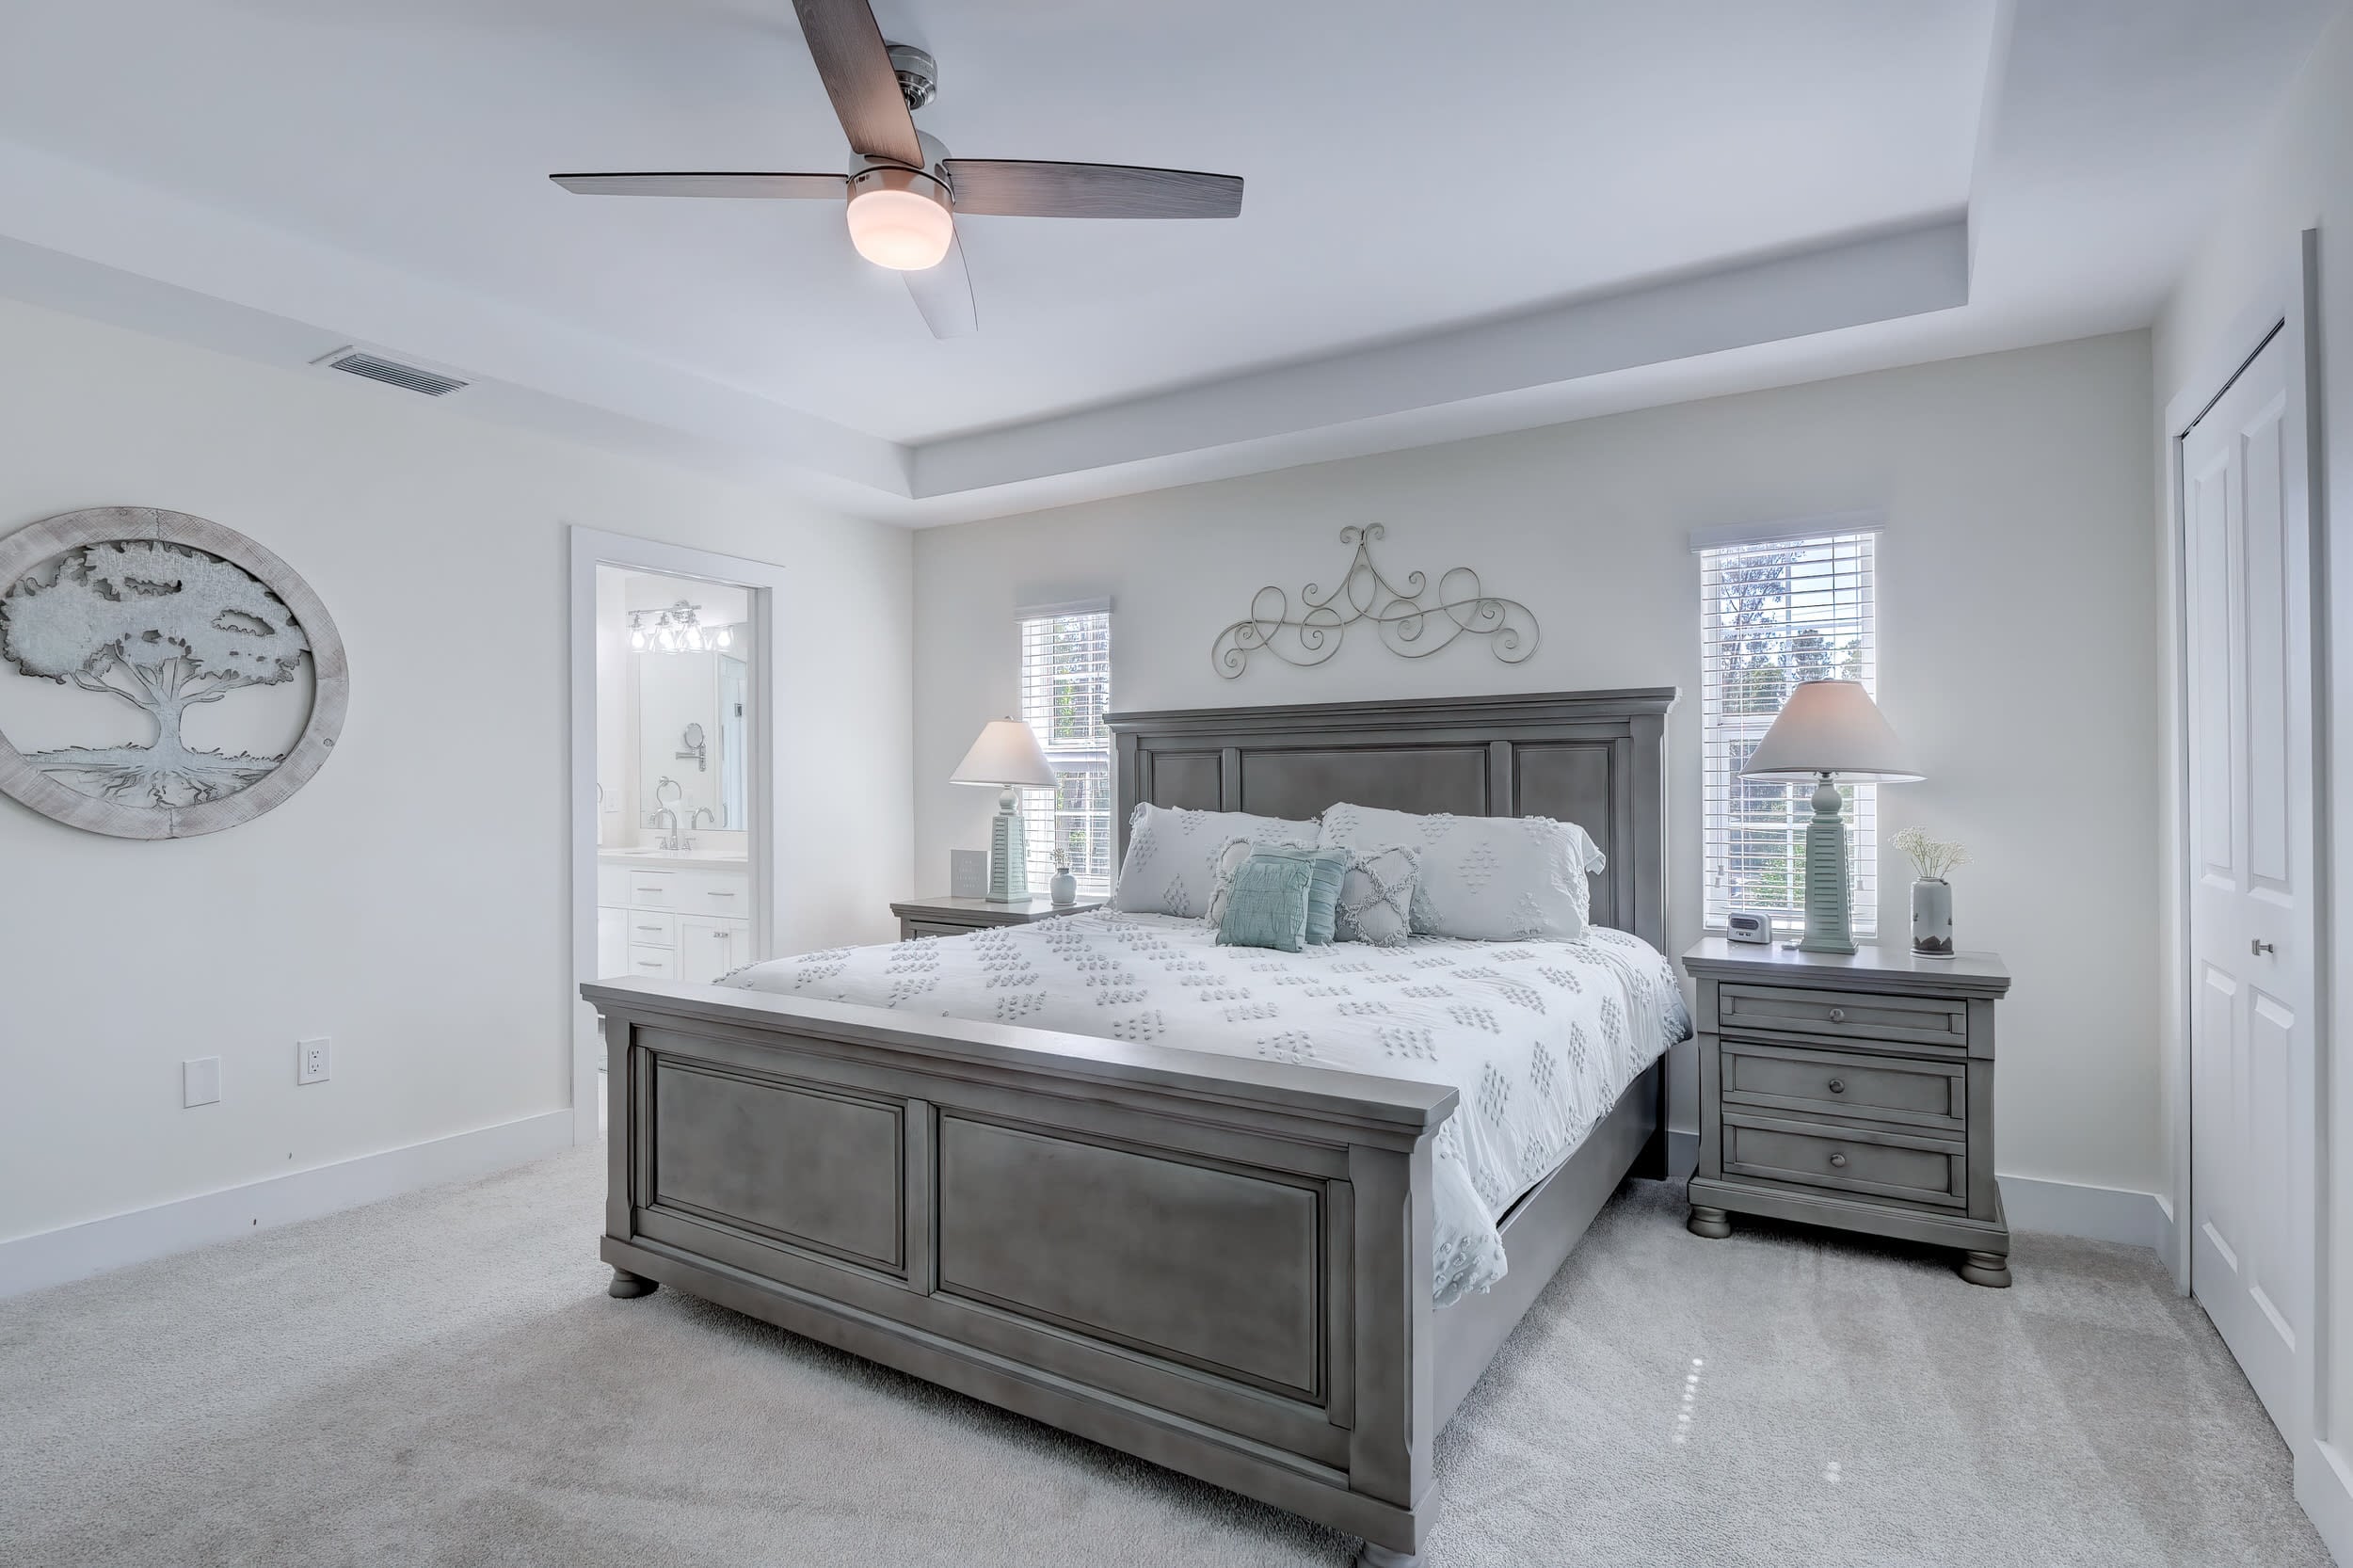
(1877, 1165)
(913, 929)
(1857, 1015)
(649, 928)
(722, 897)
(652, 963)
(1927, 1095)
(652, 890)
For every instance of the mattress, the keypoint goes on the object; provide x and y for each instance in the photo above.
(1538, 1039)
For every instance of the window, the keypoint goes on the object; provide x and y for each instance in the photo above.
(1066, 690)
(1775, 612)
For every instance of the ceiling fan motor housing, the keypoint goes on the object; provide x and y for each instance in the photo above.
(918, 73)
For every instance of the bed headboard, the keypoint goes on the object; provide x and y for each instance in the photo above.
(1596, 759)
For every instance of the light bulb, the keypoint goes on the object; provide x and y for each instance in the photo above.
(726, 637)
(638, 638)
(899, 218)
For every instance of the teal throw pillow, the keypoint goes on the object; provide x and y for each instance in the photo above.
(1323, 891)
(1268, 905)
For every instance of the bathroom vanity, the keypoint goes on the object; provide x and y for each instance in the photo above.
(672, 915)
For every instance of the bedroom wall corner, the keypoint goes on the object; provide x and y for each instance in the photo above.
(2299, 177)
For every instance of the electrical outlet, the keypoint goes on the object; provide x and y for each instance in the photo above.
(311, 1060)
(199, 1082)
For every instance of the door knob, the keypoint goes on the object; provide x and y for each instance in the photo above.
(2259, 946)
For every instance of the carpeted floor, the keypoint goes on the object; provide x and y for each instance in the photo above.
(441, 1380)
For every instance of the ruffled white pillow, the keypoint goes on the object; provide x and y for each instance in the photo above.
(1486, 879)
(1376, 897)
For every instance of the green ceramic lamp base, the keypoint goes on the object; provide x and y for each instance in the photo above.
(1829, 924)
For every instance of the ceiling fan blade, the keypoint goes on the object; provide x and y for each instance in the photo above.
(1012, 187)
(854, 62)
(774, 187)
(944, 294)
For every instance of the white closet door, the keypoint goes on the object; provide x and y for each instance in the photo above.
(2248, 580)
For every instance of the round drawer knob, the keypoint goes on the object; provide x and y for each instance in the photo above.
(1838, 1161)
(1837, 1085)
(1838, 1015)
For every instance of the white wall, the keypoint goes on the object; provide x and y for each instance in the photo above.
(2302, 178)
(2017, 623)
(412, 901)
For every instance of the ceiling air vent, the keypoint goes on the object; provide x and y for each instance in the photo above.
(393, 372)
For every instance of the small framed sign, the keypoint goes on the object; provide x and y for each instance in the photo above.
(967, 873)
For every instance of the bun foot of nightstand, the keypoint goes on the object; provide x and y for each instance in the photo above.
(1716, 1225)
(629, 1286)
(1991, 1270)
(1384, 1557)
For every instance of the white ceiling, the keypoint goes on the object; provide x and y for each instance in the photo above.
(1458, 217)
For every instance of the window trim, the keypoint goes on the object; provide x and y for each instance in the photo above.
(1861, 814)
(1103, 757)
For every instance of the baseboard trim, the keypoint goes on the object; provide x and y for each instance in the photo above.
(75, 1252)
(2095, 1213)
(2324, 1484)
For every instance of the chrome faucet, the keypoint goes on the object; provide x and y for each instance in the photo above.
(704, 817)
(672, 841)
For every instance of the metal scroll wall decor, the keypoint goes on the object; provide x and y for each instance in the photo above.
(1406, 626)
(191, 680)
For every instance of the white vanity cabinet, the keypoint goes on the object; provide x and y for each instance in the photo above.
(672, 920)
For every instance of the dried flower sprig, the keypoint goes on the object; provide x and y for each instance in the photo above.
(1933, 858)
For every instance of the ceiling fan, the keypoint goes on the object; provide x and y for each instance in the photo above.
(905, 192)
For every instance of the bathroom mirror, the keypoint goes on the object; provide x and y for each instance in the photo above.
(690, 721)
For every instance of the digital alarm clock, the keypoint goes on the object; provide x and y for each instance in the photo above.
(1749, 925)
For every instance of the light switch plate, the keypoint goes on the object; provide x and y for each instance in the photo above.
(200, 1082)
(311, 1060)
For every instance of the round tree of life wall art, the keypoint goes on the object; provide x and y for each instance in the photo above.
(160, 676)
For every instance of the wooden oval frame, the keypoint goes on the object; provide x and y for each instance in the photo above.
(29, 547)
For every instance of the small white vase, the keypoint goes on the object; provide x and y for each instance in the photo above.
(1932, 918)
(1063, 889)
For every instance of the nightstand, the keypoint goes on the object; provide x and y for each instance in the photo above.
(1850, 1090)
(958, 917)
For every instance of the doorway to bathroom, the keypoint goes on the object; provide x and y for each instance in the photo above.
(672, 837)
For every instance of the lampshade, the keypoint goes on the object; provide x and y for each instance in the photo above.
(1831, 727)
(1007, 753)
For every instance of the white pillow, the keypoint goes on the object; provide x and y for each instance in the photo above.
(1172, 858)
(1486, 879)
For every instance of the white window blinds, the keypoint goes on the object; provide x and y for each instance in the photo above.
(1065, 690)
(1775, 612)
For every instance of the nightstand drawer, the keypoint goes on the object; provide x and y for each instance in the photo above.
(1877, 1164)
(1813, 1082)
(928, 928)
(1856, 1016)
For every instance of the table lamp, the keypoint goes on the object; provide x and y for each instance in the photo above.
(1007, 756)
(1829, 730)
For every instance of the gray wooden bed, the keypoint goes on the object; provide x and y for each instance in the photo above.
(1218, 1264)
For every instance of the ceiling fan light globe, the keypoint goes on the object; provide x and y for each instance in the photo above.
(900, 219)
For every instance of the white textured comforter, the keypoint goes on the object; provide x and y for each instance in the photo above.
(1538, 1039)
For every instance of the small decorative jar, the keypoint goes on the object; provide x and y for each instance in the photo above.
(1063, 889)
(1932, 918)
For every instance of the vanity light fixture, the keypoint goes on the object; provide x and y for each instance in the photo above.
(676, 629)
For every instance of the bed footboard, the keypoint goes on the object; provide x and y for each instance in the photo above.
(1220, 1265)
